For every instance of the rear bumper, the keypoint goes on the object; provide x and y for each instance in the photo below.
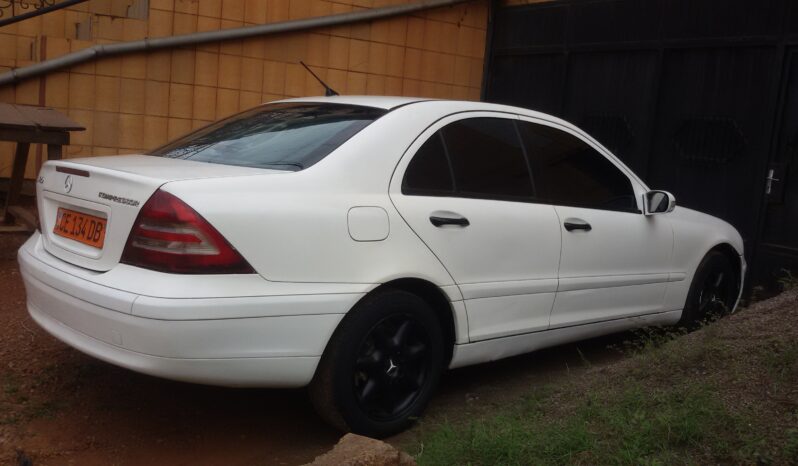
(172, 339)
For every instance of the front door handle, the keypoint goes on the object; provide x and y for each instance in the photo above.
(441, 221)
(572, 224)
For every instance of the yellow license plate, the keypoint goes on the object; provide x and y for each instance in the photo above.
(81, 227)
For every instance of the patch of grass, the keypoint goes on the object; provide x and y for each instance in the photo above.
(644, 341)
(781, 359)
(787, 280)
(9, 419)
(45, 409)
(633, 425)
(10, 384)
(791, 446)
(724, 394)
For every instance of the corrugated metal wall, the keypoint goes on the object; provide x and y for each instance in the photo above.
(698, 97)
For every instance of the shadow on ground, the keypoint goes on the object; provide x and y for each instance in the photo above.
(62, 407)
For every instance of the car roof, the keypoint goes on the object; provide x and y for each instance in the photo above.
(394, 102)
(384, 102)
(391, 102)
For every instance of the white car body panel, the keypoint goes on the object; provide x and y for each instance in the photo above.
(507, 279)
(322, 238)
(619, 268)
(695, 232)
(492, 350)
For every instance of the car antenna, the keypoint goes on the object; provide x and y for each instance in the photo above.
(328, 91)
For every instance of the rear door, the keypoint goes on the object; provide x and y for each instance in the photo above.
(465, 188)
(615, 261)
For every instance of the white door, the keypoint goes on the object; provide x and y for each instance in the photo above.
(615, 260)
(465, 188)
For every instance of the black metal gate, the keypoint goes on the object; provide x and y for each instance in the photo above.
(699, 97)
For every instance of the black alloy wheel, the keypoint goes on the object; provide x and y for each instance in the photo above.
(391, 367)
(381, 365)
(713, 291)
(713, 299)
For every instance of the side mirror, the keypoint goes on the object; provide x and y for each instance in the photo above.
(658, 202)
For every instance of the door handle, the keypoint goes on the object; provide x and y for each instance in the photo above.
(573, 224)
(441, 221)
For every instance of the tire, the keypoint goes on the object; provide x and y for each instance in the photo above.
(381, 365)
(713, 291)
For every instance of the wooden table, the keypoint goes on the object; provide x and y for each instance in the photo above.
(26, 125)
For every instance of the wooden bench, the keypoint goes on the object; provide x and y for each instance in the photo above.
(26, 125)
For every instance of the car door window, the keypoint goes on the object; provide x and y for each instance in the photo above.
(482, 157)
(487, 158)
(568, 171)
(429, 172)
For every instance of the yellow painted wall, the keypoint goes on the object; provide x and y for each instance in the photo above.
(133, 103)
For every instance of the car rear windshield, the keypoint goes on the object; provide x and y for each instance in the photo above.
(290, 136)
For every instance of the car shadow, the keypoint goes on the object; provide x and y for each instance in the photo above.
(111, 414)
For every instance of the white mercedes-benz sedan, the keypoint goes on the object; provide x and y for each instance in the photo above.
(361, 246)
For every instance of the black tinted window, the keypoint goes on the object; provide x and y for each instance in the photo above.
(277, 136)
(428, 171)
(567, 171)
(487, 158)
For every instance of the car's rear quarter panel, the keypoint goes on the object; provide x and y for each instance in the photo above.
(293, 227)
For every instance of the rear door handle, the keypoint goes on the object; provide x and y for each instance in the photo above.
(572, 224)
(441, 221)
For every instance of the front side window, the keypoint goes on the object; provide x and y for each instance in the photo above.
(567, 171)
(290, 136)
(476, 157)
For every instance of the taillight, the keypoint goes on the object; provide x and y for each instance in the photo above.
(169, 236)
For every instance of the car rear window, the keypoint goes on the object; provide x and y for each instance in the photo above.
(290, 136)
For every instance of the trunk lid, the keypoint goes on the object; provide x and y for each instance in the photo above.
(111, 190)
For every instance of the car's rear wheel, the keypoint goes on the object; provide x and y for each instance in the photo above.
(381, 365)
(713, 291)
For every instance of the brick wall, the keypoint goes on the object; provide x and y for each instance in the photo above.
(133, 103)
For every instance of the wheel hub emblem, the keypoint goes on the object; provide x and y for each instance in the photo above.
(68, 183)
(392, 368)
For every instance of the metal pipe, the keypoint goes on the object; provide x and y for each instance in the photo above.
(105, 50)
(40, 11)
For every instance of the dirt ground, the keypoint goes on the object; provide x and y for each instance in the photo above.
(60, 407)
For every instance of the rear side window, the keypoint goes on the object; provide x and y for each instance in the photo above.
(487, 158)
(290, 136)
(429, 172)
(477, 157)
(568, 171)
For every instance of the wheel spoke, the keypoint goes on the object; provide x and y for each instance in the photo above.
(369, 389)
(370, 360)
(416, 351)
(718, 281)
(402, 402)
(399, 337)
(704, 298)
(382, 337)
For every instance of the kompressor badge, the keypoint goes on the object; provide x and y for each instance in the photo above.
(118, 199)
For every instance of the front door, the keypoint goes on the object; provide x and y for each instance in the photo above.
(615, 260)
(465, 188)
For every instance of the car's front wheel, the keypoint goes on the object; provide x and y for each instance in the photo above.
(381, 365)
(713, 291)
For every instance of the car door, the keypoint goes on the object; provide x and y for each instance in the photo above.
(465, 188)
(615, 260)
